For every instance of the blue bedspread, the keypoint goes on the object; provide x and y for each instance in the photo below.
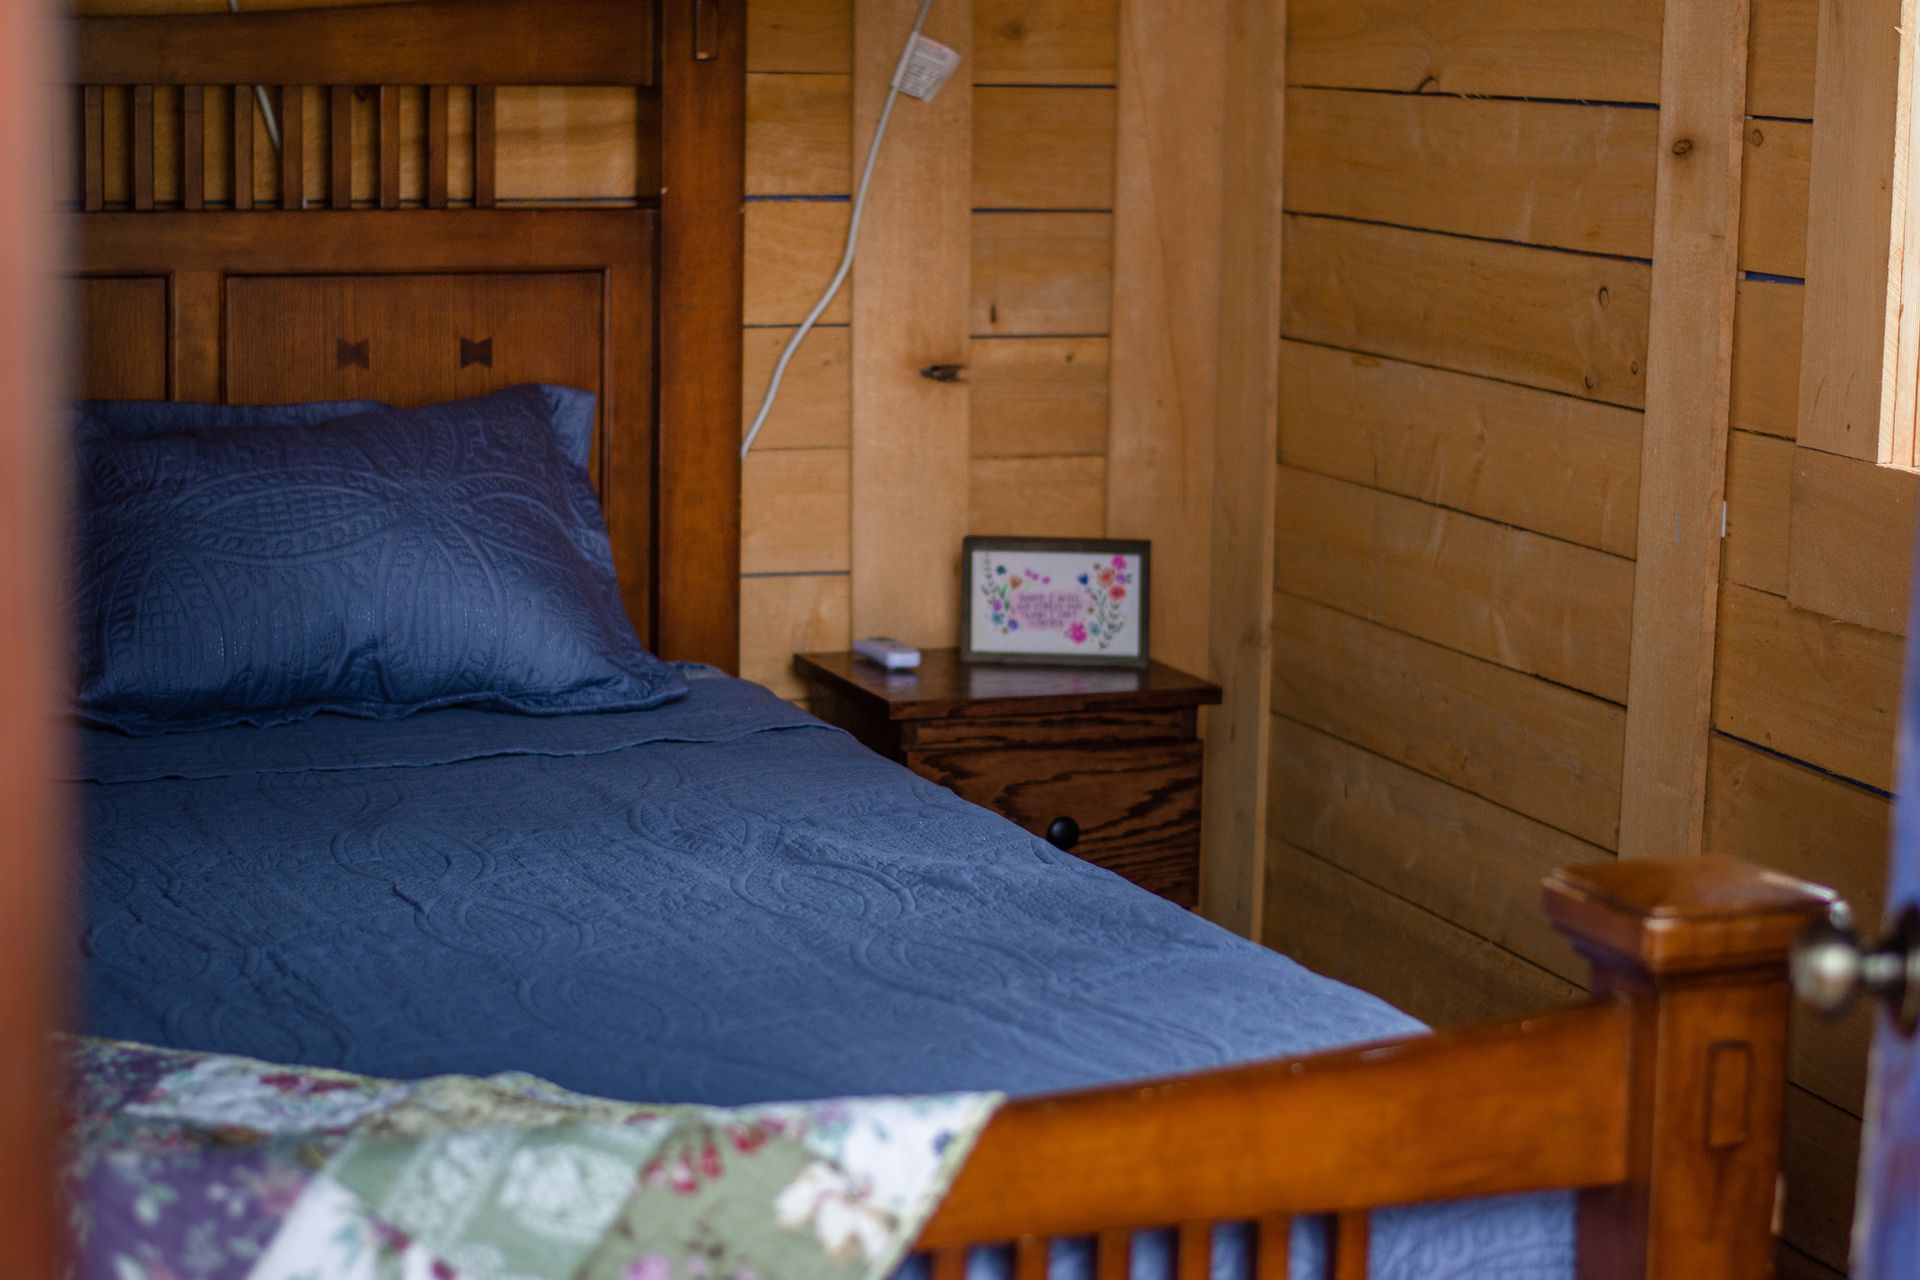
(720, 900)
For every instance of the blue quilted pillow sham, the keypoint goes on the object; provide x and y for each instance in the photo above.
(571, 411)
(373, 565)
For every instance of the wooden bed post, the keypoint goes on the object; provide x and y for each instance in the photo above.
(696, 473)
(1697, 948)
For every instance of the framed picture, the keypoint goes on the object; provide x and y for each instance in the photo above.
(1062, 601)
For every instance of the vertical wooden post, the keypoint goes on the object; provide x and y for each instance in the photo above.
(1233, 823)
(293, 171)
(34, 457)
(142, 146)
(1683, 451)
(1698, 948)
(387, 146)
(193, 146)
(243, 146)
(1859, 317)
(1272, 1245)
(436, 178)
(1350, 1233)
(911, 295)
(696, 556)
(340, 147)
(93, 147)
(485, 144)
(1166, 305)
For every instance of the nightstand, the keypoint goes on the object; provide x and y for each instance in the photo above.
(1105, 763)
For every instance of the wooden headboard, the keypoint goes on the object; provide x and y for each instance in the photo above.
(381, 251)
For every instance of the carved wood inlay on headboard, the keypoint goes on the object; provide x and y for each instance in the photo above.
(405, 338)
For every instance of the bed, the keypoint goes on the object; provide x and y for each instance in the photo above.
(773, 911)
(717, 901)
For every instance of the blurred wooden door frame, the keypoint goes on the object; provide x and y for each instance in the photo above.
(1886, 1235)
(32, 497)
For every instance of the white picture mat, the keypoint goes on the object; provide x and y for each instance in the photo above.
(1054, 614)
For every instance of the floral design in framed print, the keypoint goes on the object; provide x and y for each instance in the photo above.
(1062, 601)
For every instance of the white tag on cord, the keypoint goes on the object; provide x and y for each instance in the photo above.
(926, 68)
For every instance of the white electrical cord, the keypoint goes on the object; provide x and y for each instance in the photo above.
(260, 92)
(853, 233)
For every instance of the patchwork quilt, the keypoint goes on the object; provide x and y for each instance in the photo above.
(218, 1167)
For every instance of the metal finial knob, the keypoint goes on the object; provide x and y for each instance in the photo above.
(1831, 967)
(1826, 962)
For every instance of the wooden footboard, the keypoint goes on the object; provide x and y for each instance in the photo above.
(1660, 1101)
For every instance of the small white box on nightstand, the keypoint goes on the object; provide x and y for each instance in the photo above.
(887, 652)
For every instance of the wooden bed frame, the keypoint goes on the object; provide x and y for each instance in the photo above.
(1660, 1101)
(418, 282)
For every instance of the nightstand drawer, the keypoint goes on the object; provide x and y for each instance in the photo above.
(1074, 731)
(1136, 807)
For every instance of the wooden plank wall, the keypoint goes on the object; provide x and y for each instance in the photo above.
(1469, 255)
(1468, 232)
(1038, 254)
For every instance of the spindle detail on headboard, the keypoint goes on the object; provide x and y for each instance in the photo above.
(303, 204)
(160, 159)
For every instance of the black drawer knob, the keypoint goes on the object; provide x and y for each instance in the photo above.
(1063, 833)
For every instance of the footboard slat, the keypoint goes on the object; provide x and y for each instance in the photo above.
(1350, 1245)
(1030, 1257)
(1113, 1255)
(1273, 1246)
(1194, 1258)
